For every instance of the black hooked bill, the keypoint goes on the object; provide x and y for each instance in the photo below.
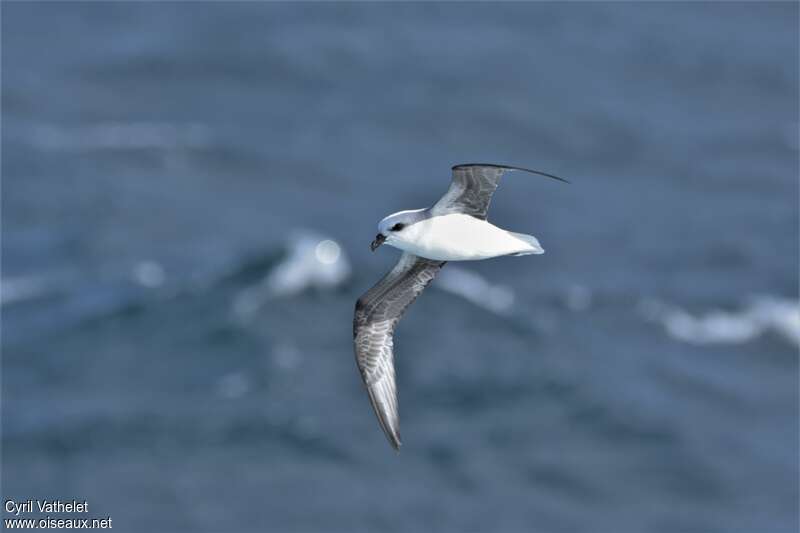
(379, 238)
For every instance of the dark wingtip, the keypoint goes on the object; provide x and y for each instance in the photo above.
(508, 167)
(392, 431)
(392, 435)
(395, 441)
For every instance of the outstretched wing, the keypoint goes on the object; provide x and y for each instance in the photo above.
(377, 313)
(472, 188)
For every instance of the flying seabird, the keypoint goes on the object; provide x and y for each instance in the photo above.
(454, 229)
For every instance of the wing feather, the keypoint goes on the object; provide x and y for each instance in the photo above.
(377, 313)
(470, 190)
(472, 187)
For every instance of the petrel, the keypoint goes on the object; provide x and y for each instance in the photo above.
(454, 229)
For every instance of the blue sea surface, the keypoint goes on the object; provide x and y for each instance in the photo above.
(176, 351)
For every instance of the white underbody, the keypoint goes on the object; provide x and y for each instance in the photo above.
(459, 237)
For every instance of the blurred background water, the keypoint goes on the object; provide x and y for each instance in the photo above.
(189, 192)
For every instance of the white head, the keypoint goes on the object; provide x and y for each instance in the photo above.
(396, 227)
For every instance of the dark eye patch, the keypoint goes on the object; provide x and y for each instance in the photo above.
(397, 227)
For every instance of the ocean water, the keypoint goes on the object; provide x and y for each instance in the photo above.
(188, 195)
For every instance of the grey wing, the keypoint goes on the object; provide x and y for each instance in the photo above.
(377, 313)
(472, 188)
(470, 191)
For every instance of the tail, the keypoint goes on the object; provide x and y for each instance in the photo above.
(531, 244)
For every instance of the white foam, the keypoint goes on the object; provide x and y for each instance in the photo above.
(475, 289)
(781, 315)
(312, 262)
(327, 252)
(766, 313)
